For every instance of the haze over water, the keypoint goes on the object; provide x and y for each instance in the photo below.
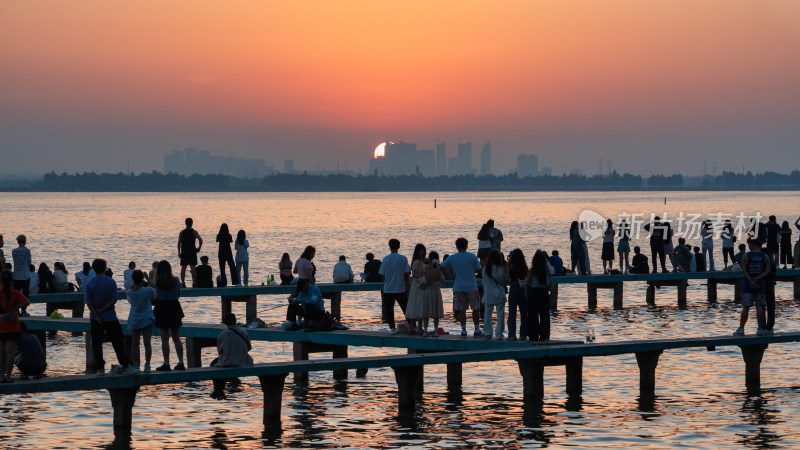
(700, 397)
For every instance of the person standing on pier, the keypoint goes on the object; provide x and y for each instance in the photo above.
(669, 246)
(624, 246)
(100, 297)
(728, 237)
(773, 238)
(577, 249)
(242, 258)
(22, 272)
(657, 244)
(395, 272)
(187, 252)
(168, 314)
(495, 235)
(707, 244)
(495, 276)
(755, 266)
(10, 302)
(225, 255)
(464, 266)
(414, 313)
(432, 306)
(786, 245)
(3, 255)
(538, 290)
(517, 297)
(607, 253)
(484, 242)
(140, 318)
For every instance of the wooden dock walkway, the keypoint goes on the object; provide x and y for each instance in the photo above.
(531, 360)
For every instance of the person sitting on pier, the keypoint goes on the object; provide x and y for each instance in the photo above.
(10, 302)
(755, 267)
(303, 267)
(683, 256)
(205, 275)
(639, 262)
(557, 263)
(342, 272)
(372, 269)
(306, 302)
(464, 266)
(45, 279)
(699, 261)
(100, 297)
(233, 345)
(30, 359)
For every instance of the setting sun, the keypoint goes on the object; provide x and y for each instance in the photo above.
(380, 150)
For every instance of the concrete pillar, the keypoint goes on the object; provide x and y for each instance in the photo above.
(406, 378)
(650, 296)
(592, 291)
(251, 308)
(712, 290)
(87, 342)
(340, 352)
(618, 291)
(737, 291)
(336, 305)
(272, 387)
(554, 298)
(122, 400)
(532, 371)
(574, 369)
(796, 283)
(194, 350)
(682, 287)
(300, 353)
(361, 373)
(752, 355)
(251, 305)
(454, 376)
(225, 305)
(647, 361)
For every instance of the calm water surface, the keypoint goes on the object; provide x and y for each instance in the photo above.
(700, 402)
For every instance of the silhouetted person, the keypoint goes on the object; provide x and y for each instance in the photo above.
(187, 252)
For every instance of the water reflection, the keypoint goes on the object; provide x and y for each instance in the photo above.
(759, 415)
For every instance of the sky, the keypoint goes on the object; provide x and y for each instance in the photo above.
(656, 86)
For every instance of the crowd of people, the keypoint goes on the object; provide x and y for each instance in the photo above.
(415, 286)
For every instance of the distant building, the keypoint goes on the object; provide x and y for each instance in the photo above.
(486, 159)
(546, 171)
(461, 164)
(577, 172)
(193, 161)
(402, 158)
(527, 165)
(288, 166)
(441, 159)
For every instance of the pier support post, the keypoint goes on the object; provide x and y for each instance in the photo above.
(650, 296)
(712, 290)
(361, 373)
(340, 352)
(406, 378)
(592, 291)
(554, 298)
(574, 367)
(618, 290)
(122, 399)
(272, 387)
(251, 305)
(336, 305)
(532, 371)
(683, 285)
(300, 353)
(647, 361)
(194, 350)
(752, 355)
(737, 291)
(796, 288)
(454, 376)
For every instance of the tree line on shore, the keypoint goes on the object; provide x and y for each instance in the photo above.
(171, 182)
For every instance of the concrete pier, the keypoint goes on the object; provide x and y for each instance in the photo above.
(647, 361)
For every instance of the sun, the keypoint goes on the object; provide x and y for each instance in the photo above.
(380, 150)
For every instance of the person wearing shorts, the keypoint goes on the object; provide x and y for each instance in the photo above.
(395, 272)
(756, 267)
(187, 252)
(464, 265)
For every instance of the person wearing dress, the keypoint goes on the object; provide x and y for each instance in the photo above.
(669, 246)
(168, 313)
(607, 253)
(432, 303)
(624, 246)
(517, 297)
(414, 308)
(494, 294)
(577, 246)
(538, 290)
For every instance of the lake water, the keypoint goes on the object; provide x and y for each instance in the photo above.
(700, 396)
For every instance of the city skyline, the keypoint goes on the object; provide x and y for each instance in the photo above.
(655, 87)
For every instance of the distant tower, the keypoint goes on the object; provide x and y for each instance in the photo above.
(608, 166)
(486, 159)
(705, 168)
(441, 159)
(600, 166)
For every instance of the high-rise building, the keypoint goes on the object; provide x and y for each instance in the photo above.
(486, 159)
(527, 165)
(426, 163)
(441, 159)
(288, 166)
(191, 161)
(462, 163)
(402, 158)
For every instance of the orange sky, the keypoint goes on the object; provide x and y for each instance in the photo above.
(327, 80)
